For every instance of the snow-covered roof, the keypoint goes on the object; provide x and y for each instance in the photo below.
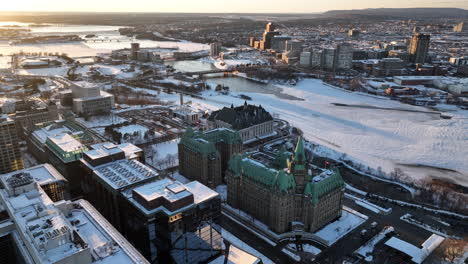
(42, 174)
(170, 191)
(64, 231)
(200, 192)
(66, 142)
(418, 255)
(237, 256)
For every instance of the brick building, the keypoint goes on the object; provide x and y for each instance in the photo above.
(282, 197)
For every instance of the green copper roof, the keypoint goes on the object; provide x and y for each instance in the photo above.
(196, 143)
(223, 134)
(204, 143)
(258, 172)
(323, 184)
(299, 154)
(281, 159)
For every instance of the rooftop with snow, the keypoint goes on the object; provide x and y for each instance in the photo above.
(65, 231)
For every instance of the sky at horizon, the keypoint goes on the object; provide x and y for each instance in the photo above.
(217, 6)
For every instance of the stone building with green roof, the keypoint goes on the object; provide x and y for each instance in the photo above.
(251, 121)
(285, 193)
(204, 156)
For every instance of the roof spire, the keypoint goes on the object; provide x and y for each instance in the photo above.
(299, 154)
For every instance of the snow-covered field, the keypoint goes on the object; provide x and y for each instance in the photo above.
(376, 138)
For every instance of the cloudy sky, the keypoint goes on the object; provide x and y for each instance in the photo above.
(230, 6)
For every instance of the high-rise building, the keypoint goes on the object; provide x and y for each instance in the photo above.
(215, 49)
(163, 218)
(343, 59)
(135, 49)
(460, 27)
(10, 155)
(419, 47)
(268, 35)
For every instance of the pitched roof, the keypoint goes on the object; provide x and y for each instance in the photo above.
(242, 116)
(204, 143)
(271, 178)
(323, 184)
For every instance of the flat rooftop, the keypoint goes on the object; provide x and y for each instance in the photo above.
(122, 173)
(107, 148)
(66, 142)
(172, 191)
(42, 174)
(64, 231)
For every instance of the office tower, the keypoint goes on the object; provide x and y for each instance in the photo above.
(135, 50)
(419, 47)
(10, 156)
(460, 27)
(215, 49)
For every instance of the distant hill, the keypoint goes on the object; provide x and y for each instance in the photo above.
(404, 13)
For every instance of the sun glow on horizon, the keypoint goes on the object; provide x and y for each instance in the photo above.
(259, 6)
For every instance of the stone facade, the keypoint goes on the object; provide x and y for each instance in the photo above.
(249, 120)
(204, 156)
(283, 196)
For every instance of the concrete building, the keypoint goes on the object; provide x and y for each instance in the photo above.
(419, 47)
(305, 59)
(278, 43)
(43, 231)
(62, 145)
(388, 67)
(47, 177)
(204, 157)
(27, 118)
(460, 27)
(135, 48)
(284, 195)
(459, 61)
(10, 155)
(268, 35)
(354, 33)
(252, 122)
(215, 49)
(159, 217)
(343, 59)
(89, 100)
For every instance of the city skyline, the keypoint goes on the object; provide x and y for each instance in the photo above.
(212, 6)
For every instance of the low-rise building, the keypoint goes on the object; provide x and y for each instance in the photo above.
(204, 156)
(252, 122)
(90, 100)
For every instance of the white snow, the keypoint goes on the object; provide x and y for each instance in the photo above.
(418, 255)
(244, 246)
(334, 231)
(368, 248)
(237, 256)
(131, 129)
(376, 138)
